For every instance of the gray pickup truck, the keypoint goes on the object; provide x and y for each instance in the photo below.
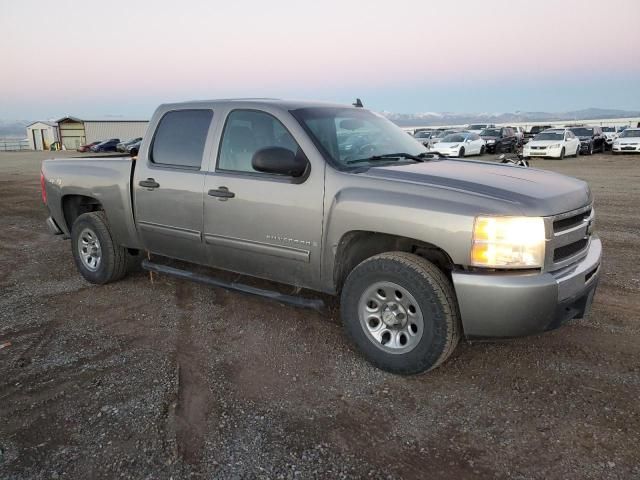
(422, 250)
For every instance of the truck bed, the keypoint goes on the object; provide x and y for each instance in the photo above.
(107, 179)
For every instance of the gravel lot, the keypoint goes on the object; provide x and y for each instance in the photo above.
(171, 379)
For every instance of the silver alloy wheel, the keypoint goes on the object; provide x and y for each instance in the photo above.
(391, 317)
(89, 249)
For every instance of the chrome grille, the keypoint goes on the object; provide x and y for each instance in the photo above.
(568, 237)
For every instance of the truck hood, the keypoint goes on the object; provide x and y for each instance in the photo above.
(531, 191)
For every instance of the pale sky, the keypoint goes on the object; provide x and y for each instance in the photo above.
(123, 57)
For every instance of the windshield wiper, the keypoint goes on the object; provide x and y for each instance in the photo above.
(389, 156)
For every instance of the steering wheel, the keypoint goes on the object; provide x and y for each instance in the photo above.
(367, 149)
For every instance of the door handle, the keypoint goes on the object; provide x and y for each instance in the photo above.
(222, 193)
(149, 183)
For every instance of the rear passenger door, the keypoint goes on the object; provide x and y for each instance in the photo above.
(168, 184)
(264, 225)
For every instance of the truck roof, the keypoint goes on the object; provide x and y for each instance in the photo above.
(254, 102)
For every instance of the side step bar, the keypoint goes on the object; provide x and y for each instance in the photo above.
(313, 304)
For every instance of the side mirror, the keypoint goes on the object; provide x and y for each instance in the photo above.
(280, 161)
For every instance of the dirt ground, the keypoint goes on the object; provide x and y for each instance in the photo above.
(173, 379)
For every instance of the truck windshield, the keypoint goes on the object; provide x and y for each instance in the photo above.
(423, 134)
(490, 132)
(582, 132)
(352, 135)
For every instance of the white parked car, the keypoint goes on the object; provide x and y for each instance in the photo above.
(628, 141)
(439, 135)
(460, 144)
(553, 143)
(611, 133)
(478, 127)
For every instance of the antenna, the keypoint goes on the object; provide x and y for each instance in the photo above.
(358, 103)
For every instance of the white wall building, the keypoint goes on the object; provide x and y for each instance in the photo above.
(74, 131)
(41, 135)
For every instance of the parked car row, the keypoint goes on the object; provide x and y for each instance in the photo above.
(460, 143)
(113, 145)
(588, 139)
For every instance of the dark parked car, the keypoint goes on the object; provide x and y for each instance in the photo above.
(133, 148)
(106, 146)
(591, 139)
(500, 139)
(535, 130)
(87, 147)
(122, 146)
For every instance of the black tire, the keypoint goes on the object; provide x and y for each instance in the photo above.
(604, 147)
(461, 154)
(482, 150)
(590, 149)
(114, 261)
(561, 154)
(433, 294)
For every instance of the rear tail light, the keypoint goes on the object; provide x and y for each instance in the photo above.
(42, 187)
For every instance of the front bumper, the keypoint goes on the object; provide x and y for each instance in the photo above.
(514, 305)
(542, 153)
(625, 148)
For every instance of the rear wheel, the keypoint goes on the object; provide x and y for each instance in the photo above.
(400, 310)
(98, 258)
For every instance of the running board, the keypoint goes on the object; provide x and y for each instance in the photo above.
(313, 304)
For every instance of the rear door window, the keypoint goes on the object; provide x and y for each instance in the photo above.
(180, 138)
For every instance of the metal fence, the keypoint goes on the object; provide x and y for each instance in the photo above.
(14, 144)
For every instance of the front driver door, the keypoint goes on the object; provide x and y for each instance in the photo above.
(260, 224)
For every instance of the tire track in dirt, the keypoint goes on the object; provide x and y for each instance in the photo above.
(194, 400)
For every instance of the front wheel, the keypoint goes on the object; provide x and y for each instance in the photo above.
(561, 157)
(482, 150)
(461, 152)
(400, 310)
(98, 258)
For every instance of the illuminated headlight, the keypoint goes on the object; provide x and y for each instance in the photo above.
(508, 242)
(491, 141)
